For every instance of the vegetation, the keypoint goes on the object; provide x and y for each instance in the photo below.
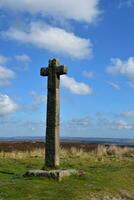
(105, 173)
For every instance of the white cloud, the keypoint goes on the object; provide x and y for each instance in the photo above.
(79, 10)
(23, 58)
(114, 85)
(83, 122)
(37, 100)
(113, 123)
(3, 59)
(101, 123)
(53, 39)
(129, 113)
(77, 124)
(122, 125)
(6, 75)
(120, 67)
(88, 74)
(75, 87)
(7, 105)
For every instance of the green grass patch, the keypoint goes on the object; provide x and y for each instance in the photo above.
(107, 175)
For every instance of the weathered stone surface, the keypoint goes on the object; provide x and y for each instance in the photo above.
(52, 174)
(53, 71)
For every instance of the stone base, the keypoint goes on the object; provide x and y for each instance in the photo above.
(53, 174)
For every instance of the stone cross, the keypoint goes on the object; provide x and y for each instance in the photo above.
(53, 71)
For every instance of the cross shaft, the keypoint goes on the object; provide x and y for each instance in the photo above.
(53, 71)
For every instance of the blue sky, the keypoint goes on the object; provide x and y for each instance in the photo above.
(94, 38)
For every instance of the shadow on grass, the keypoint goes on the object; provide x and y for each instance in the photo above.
(8, 173)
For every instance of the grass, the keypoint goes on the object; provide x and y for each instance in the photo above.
(109, 174)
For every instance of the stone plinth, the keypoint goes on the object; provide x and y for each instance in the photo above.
(52, 174)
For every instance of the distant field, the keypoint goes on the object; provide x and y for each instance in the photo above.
(31, 145)
(106, 172)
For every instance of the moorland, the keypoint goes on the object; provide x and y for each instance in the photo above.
(106, 172)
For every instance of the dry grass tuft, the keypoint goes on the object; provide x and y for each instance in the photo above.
(101, 152)
(114, 150)
(21, 154)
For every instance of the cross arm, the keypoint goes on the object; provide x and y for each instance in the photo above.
(62, 69)
(44, 71)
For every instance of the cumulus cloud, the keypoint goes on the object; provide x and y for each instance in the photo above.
(53, 39)
(75, 87)
(120, 67)
(88, 74)
(23, 58)
(79, 10)
(7, 105)
(114, 85)
(3, 59)
(6, 75)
